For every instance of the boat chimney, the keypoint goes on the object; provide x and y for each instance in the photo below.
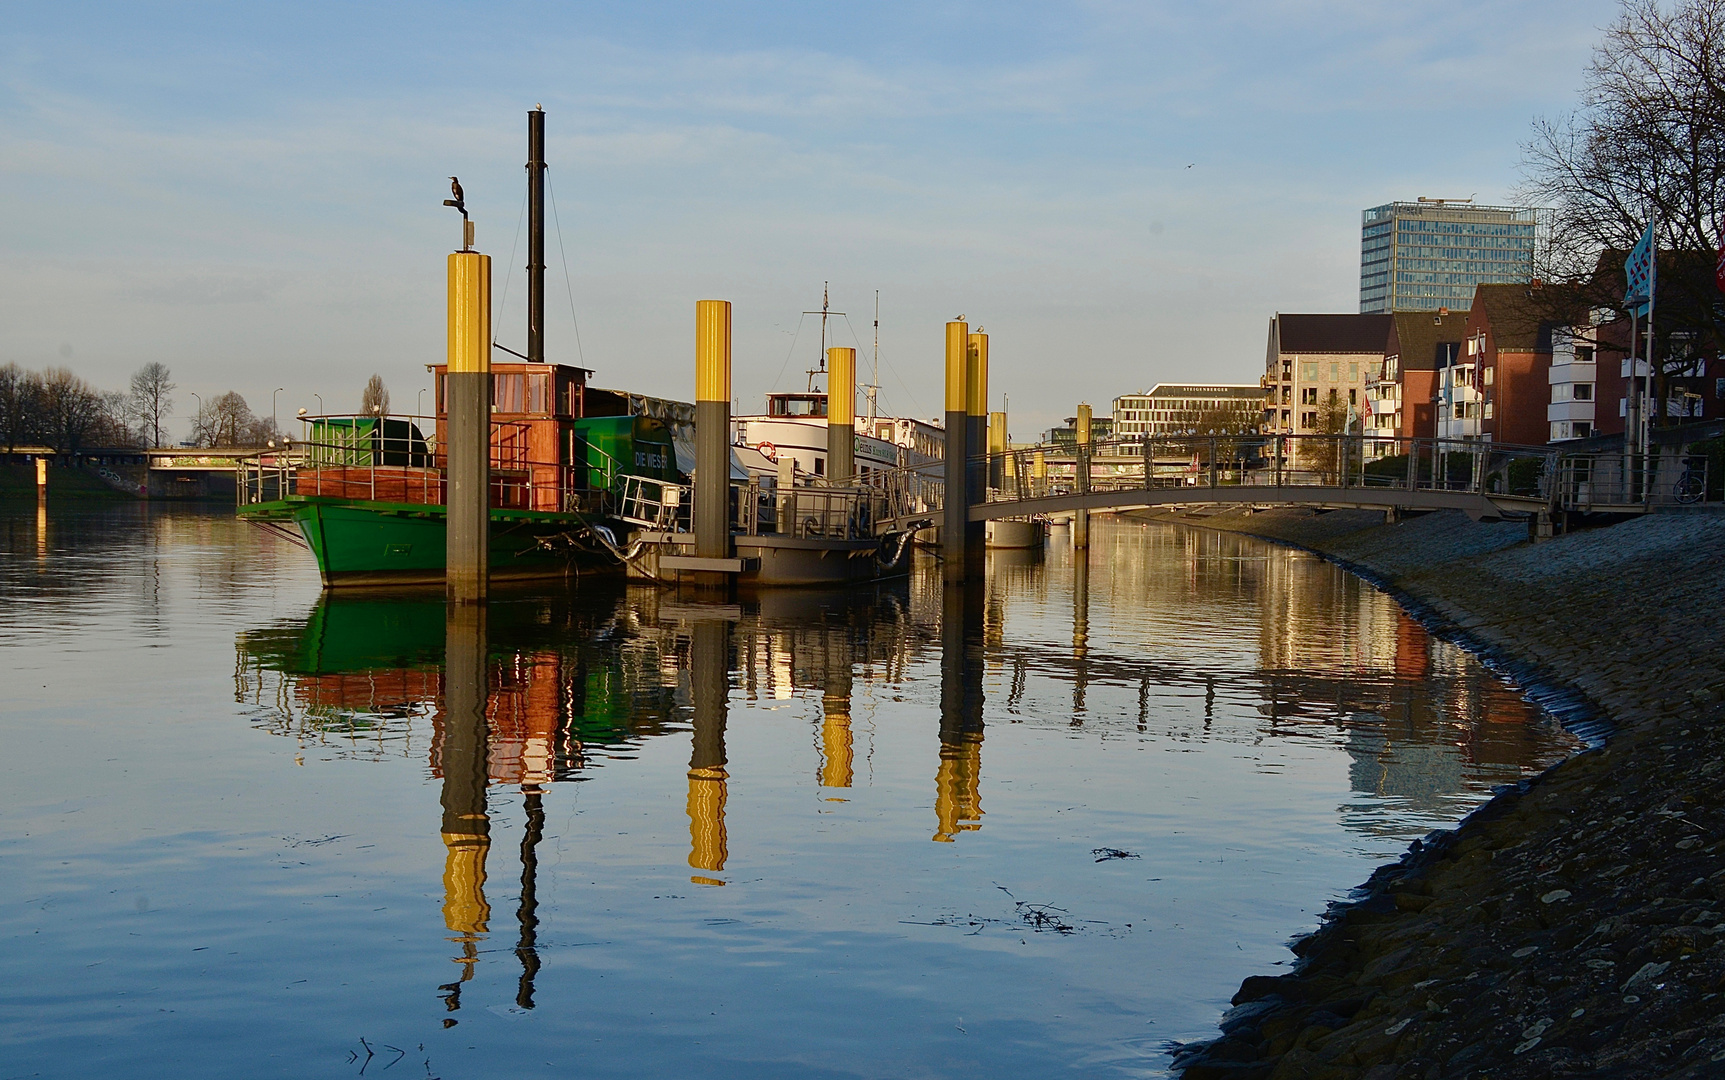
(536, 236)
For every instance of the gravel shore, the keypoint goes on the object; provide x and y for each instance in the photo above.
(1574, 925)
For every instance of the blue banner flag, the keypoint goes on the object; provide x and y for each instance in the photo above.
(1640, 270)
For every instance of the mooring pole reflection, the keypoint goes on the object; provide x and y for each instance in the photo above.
(836, 752)
(710, 681)
(466, 825)
(1080, 632)
(527, 914)
(957, 793)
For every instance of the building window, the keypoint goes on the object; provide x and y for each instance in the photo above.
(1309, 372)
(1582, 429)
(1309, 419)
(1336, 372)
(1489, 373)
(1332, 395)
(1583, 391)
(1354, 372)
(1584, 354)
(1308, 395)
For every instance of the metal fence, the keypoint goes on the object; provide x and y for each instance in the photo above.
(1335, 461)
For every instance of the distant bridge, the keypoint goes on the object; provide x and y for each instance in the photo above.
(1488, 481)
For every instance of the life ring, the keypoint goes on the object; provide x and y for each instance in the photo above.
(768, 450)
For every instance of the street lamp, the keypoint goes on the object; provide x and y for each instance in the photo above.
(273, 428)
(195, 418)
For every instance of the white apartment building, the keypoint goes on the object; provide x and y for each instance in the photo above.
(1574, 383)
(1461, 392)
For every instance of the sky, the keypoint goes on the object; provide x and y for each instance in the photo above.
(1119, 193)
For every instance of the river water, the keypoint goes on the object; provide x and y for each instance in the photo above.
(246, 830)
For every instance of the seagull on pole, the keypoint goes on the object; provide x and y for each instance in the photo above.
(460, 200)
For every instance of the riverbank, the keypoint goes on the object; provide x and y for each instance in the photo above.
(19, 482)
(1576, 924)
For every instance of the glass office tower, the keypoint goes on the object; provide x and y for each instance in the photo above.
(1425, 255)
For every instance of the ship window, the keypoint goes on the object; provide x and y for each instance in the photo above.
(507, 391)
(538, 393)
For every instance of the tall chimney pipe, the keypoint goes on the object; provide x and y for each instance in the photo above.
(536, 236)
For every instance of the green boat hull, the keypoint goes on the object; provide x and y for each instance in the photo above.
(365, 543)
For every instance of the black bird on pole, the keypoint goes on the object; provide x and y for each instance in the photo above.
(460, 201)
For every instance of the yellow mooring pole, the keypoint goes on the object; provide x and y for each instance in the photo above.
(712, 434)
(841, 414)
(468, 397)
(976, 410)
(1081, 477)
(955, 516)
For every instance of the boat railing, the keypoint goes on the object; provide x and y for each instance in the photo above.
(391, 459)
(653, 504)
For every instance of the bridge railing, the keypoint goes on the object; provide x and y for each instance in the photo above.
(1217, 461)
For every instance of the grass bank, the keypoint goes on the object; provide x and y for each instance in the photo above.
(1575, 925)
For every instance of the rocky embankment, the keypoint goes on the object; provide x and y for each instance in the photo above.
(1573, 926)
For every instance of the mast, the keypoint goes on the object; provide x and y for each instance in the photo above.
(536, 235)
(820, 367)
(874, 377)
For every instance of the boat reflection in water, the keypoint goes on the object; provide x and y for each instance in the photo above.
(1171, 640)
(538, 689)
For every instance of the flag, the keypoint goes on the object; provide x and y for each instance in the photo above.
(1640, 272)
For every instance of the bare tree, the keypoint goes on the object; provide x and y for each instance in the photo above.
(1647, 144)
(20, 407)
(72, 411)
(375, 400)
(227, 420)
(151, 400)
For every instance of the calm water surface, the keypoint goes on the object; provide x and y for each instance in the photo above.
(246, 830)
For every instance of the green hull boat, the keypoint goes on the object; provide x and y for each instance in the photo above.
(370, 543)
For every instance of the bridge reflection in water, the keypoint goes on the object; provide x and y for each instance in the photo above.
(541, 690)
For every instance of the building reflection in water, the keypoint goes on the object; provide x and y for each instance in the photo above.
(1193, 636)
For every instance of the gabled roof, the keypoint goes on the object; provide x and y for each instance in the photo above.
(1332, 333)
(1520, 319)
(1416, 335)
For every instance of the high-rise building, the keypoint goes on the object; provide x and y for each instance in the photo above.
(1425, 255)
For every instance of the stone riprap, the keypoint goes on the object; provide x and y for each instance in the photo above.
(1575, 924)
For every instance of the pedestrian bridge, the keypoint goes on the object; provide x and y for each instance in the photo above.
(1488, 481)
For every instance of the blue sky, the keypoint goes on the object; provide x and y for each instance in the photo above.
(1120, 193)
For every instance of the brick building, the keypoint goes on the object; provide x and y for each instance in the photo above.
(1403, 396)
